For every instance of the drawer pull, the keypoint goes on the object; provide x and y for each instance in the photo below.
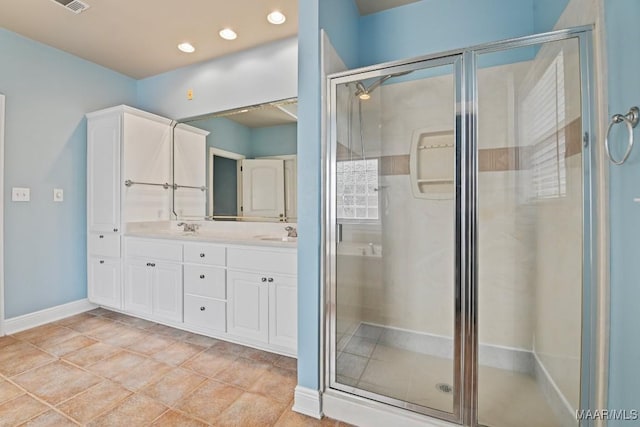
(151, 264)
(270, 279)
(101, 236)
(203, 308)
(115, 230)
(202, 276)
(101, 261)
(264, 279)
(201, 255)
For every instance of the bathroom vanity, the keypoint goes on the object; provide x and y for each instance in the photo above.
(231, 280)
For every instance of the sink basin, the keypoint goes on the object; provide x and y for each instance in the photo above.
(278, 239)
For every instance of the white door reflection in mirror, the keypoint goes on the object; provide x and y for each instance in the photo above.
(263, 188)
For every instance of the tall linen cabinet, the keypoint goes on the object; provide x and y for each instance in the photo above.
(127, 149)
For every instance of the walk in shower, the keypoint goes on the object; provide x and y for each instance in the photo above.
(458, 233)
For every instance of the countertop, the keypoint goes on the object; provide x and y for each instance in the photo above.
(217, 237)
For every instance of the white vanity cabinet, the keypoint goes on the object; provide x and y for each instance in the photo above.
(262, 295)
(153, 279)
(128, 149)
(246, 294)
(104, 276)
(205, 290)
(114, 136)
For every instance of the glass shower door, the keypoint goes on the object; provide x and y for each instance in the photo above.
(394, 239)
(531, 181)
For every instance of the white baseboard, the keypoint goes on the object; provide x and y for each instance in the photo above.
(307, 402)
(37, 318)
(364, 412)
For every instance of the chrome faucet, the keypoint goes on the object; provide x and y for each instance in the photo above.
(291, 231)
(188, 227)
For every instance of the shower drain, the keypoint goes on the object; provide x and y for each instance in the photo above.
(444, 388)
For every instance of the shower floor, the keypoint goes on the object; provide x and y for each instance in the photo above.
(506, 398)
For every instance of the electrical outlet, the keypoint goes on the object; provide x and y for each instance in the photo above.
(58, 195)
(20, 194)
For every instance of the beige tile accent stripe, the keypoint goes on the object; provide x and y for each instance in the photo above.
(394, 165)
(491, 159)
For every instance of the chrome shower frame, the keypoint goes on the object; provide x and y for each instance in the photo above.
(464, 63)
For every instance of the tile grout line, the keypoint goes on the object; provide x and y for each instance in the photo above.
(35, 397)
(27, 339)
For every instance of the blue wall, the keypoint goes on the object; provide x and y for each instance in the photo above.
(546, 14)
(226, 135)
(231, 136)
(340, 19)
(308, 193)
(431, 26)
(622, 18)
(274, 140)
(254, 76)
(48, 93)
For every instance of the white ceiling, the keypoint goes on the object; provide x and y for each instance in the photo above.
(139, 38)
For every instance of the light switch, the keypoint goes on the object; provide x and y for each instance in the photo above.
(58, 194)
(20, 194)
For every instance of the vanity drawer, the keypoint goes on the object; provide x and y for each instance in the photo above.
(262, 261)
(205, 281)
(204, 254)
(153, 249)
(205, 312)
(104, 244)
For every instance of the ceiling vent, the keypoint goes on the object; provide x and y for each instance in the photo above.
(75, 6)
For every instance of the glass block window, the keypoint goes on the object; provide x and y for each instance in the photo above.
(357, 190)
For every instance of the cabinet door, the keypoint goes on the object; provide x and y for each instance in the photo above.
(206, 313)
(103, 173)
(263, 188)
(283, 312)
(104, 282)
(138, 286)
(248, 305)
(167, 291)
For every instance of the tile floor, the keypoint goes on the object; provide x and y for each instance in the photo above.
(103, 368)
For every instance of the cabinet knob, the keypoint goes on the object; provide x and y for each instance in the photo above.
(101, 261)
(101, 236)
(202, 276)
(115, 230)
(201, 255)
(270, 279)
(203, 308)
(151, 264)
(264, 279)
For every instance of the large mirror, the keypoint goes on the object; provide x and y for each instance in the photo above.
(238, 165)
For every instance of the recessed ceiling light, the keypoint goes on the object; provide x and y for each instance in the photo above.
(244, 111)
(276, 17)
(186, 47)
(228, 34)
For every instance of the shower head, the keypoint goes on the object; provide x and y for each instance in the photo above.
(364, 93)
